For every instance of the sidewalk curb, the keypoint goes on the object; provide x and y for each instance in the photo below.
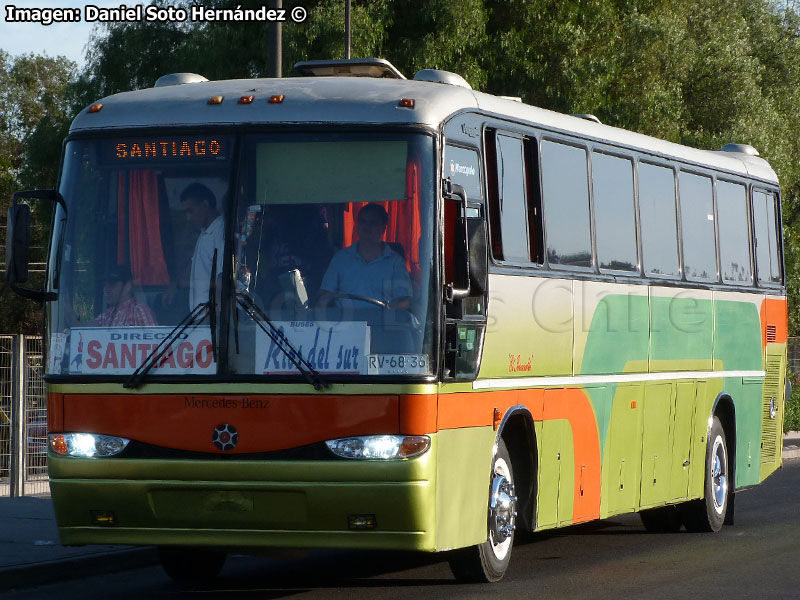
(74, 568)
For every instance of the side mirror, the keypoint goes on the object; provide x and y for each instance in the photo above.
(18, 243)
(469, 249)
(478, 257)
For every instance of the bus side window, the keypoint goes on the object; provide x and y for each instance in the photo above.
(765, 225)
(614, 217)
(734, 239)
(515, 213)
(697, 227)
(565, 186)
(658, 218)
(534, 198)
(463, 167)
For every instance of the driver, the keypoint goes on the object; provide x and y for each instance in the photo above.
(369, 268)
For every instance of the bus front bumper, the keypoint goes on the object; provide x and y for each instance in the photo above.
(246, 504)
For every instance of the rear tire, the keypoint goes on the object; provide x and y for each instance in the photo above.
(708, 513)
(487, 562)
(191, 565)
(665, 519)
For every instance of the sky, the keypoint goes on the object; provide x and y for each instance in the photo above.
(58, 39)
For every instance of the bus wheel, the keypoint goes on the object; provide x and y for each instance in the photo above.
(487, 562)
(191, 565)
(664, 519)
(708, 513)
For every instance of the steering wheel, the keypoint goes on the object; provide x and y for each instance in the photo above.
(380, 303)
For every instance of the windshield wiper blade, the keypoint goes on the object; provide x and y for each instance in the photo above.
(276, 335)
(197, 314)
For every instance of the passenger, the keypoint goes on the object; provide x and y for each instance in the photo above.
(369, 268)
(123, 310)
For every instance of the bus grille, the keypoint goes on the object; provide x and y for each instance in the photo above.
(769, 426)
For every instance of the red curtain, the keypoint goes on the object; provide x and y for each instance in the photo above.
(404, 226)
(139, 228)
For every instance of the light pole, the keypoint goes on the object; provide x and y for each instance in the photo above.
(275, 43)
(347, 28)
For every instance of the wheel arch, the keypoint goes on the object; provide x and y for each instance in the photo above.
(519, 434)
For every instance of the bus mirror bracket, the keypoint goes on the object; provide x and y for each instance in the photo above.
(18, 243)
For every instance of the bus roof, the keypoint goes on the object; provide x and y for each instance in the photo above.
(366, 100)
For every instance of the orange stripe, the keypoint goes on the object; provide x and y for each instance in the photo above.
(476, 409)
(418, 414)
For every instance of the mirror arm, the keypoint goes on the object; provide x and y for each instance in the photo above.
(454, 191)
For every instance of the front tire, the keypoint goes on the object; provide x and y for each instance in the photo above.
(487, 562)
(708, 513)
(191, 565)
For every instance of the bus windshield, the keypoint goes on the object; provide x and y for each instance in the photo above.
(317, 247)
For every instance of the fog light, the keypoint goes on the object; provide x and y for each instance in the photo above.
(362, 521)
(103, 518)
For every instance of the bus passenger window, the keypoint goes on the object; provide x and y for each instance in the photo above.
(565, 189)
(765, 225)
(614, 217)
(658, 220)
(734, 241)
(512, 199)
(697, 227)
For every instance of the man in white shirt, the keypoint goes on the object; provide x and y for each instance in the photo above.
(200, 206)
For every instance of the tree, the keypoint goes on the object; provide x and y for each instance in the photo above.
(34, 116)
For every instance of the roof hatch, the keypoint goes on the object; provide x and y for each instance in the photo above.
(178, 79)
(349, 67)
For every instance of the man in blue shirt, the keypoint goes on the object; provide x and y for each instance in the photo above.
(369, 268)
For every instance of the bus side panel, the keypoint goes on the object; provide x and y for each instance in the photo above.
(738, 347)
(529, 327)
(462, 486)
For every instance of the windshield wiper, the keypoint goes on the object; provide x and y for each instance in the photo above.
(279, 339)
(197, 314)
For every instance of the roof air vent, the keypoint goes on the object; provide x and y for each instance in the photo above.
(587, 117)
(741, 148)
(437, 76)
(179, 79)
(349, 67)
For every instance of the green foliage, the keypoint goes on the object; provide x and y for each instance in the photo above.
(791, 419)
(34, 117)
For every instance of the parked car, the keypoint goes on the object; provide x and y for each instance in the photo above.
(36, 445)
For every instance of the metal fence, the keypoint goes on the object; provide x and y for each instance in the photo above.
(23, 417)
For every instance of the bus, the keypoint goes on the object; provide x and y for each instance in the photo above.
(351, 310)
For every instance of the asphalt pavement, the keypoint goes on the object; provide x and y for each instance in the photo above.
(30, 552)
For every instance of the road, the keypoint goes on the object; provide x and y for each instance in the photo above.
(758, 557)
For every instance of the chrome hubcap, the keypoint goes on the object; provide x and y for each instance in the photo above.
(502, 510)
(719, 475)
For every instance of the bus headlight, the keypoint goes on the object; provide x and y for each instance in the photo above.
(87, 445)
(383, 447)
